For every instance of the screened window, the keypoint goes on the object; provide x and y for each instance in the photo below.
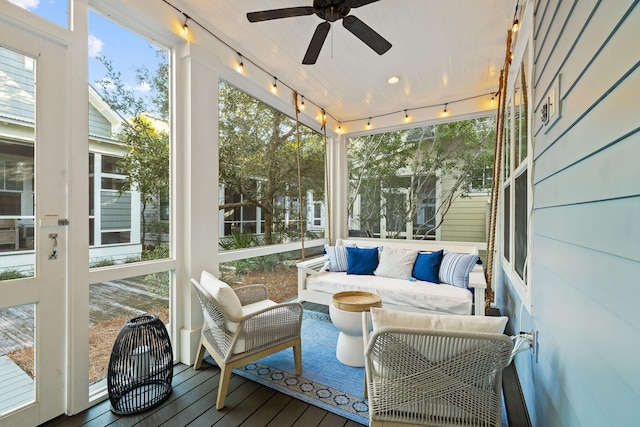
(401, 182)
(259, 183)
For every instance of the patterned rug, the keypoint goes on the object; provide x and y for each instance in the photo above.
(325, 382)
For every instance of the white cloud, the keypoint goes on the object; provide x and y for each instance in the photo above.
(26, 4)
(143, 87)
(105, 84)
(95, 46)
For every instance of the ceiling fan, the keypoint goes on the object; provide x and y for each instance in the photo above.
(329, 11)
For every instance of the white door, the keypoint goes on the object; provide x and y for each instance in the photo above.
(34, 139)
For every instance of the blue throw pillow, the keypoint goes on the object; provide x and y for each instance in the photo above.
(427, 266)
(455, 268)
(362, 260)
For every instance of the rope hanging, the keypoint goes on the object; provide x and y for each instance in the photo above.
(299, 161)
(497, 164)
(327, 185)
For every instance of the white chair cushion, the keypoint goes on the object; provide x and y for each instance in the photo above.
(222, 293)
(384, 317)
(248, 309)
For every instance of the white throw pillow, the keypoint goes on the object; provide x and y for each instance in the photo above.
(400, 319)
(396, 263)
(222, 293)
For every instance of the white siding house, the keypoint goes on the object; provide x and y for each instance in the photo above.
(583, 257)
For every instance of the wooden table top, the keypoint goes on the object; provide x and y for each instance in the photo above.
(356, 300)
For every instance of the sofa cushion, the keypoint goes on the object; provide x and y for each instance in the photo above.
(382, 317)
(222, 293)
(337, 257)
(417, 294)
(427, 266)
(396, 263)
(361, 260)
(455, 268)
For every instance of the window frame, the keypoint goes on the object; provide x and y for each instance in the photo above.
(516, 136)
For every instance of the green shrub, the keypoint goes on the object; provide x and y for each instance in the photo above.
(11, 274)
(158, 283)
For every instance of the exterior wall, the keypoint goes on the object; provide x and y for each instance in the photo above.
(584, 228)
(466, 220)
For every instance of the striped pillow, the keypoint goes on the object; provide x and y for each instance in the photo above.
(337, 257)
(396, 263)
(455, 268)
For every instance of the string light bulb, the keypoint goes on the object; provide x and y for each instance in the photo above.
(445, 112)
(369, 123)
(185, 27)
(339, 129)
(516, 24)
(240, 67)
(301, 106)
(274, 88)
(406, 117)
(493, 99)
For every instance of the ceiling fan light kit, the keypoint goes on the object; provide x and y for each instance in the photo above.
(329, 11)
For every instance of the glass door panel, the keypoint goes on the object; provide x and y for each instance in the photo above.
(32, 235)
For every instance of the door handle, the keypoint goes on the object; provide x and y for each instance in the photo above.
(54, 252)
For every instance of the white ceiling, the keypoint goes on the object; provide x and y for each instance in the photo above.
(443, 51)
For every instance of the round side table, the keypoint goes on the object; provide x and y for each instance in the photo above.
(346, 310)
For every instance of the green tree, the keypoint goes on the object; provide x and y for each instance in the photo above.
(394, 175)
(258, 158)
(146, 161)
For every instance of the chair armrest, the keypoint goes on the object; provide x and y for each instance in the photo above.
(271, 325)
(251, 293)
(478, 282)
(314, 265)
(309, 268)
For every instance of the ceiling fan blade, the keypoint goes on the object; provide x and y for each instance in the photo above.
(288, 12)
(316, 43)
(358, 3)
(365, 33)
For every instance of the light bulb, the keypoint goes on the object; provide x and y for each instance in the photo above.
(274, 88)
(516, 26)
(302, 104)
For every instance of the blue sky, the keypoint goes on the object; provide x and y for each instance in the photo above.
(126, 50)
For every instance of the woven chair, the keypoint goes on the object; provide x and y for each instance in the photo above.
(242, 325)
(435, 377)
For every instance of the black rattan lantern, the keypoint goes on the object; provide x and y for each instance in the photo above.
(141, 366)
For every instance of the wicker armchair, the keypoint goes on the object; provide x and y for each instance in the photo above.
(242, 325)
(435, 377)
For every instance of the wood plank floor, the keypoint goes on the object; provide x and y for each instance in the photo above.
(192, 403)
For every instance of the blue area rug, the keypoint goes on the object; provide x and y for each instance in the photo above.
(325, 382)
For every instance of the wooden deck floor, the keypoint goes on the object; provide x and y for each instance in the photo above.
(192, 403)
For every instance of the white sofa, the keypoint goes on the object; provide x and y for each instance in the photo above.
(317, 284)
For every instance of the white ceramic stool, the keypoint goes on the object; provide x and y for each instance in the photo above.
(345, 310)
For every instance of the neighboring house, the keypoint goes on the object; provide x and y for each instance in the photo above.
(248, 218)
(113, 217)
